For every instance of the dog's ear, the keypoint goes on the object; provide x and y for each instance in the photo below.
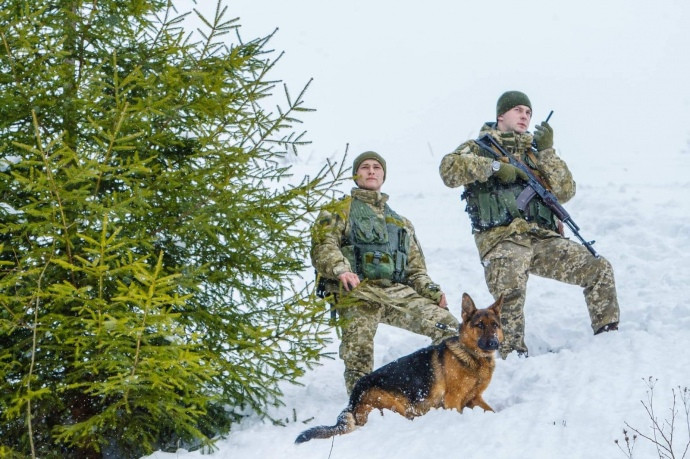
(498, 304)
(468, 308)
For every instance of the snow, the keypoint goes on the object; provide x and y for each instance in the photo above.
(407, 82)
(572, 397)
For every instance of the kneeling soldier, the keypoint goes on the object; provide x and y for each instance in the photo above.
(369, 253)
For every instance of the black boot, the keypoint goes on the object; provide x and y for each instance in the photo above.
(613, 326)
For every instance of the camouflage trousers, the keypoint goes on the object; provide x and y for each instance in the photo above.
(507, 268)
(398, 305)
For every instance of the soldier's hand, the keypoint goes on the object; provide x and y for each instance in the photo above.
(349, 280)
(443, 303)
(508, 173)
(543, 136)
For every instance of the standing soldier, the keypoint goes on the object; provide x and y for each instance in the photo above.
(373, 265)
(515, 243)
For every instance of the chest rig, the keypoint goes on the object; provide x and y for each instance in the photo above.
(377, 246)
(493, 203)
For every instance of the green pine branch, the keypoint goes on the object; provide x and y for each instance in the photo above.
(153, 234)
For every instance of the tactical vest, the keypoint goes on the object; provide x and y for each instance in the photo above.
(493, 203)
(377, 248)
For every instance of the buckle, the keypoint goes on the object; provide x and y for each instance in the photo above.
(377, 257)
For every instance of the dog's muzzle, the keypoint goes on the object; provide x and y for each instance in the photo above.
(490, 344)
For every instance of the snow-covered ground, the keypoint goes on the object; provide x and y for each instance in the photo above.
(414, 82)
(573, 396)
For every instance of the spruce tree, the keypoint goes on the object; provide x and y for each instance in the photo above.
(152, 234)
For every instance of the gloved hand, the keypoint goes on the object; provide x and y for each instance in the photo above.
(508, 173)
(543, 136)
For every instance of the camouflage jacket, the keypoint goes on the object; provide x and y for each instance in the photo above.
(466, 165)
(332, 229)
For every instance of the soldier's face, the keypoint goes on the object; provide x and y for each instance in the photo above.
(515, 120)
(370, 175)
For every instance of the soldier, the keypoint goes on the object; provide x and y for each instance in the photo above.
(375, 268)
(513, 243)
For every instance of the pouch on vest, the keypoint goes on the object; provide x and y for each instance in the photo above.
(492, 204)
(377, 246)
(369, 229)
(377, 265)
(492, 208)
(545, 216)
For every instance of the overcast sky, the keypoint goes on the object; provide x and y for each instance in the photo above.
(413, 80)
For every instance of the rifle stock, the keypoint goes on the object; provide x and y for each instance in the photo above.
(488, 143)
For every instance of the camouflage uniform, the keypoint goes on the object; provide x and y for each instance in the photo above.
(514, 249)
(408, 305)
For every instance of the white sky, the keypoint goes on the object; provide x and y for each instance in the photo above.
(413, 80)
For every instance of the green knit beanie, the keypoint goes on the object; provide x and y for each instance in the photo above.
(368, 155)
(511, 99)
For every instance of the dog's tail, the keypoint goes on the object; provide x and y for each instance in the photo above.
(345, 424)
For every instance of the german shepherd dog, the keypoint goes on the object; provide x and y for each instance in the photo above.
(450, 375)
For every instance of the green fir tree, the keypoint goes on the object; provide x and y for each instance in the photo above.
(152, 234)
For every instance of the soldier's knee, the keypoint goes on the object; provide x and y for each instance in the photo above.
(445, 321)
(444, 328)
(606, 268)
(600, 263)
(600, 272)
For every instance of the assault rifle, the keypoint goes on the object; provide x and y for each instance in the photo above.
(534, 187)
